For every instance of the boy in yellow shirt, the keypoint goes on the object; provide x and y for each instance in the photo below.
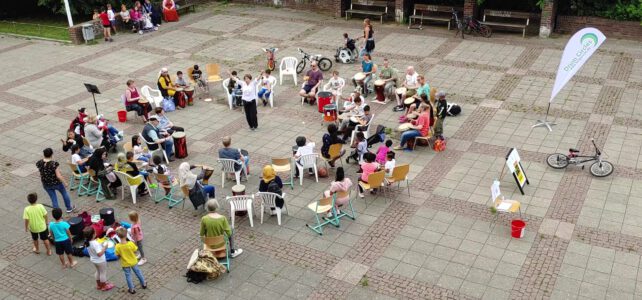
(35, 216)
(126, 251)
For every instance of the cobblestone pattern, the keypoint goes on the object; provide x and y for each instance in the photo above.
(20, 101)
(566, 204)
(609, 100)
(538, 274)
(495, 150)
(464, 64)
(505, 86)
(527, 58)
(14, 47)
(475, 123)
(380, 234)
(621, 68)
(226, 130)
(330, 288)
(628, 122)
(607, 239)
(404, 288)
(445, 48)
(30, 285)
(576, 78)
(428, 179)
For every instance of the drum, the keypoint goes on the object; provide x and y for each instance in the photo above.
(180, 98)
(189, 91)
(76, 226)
(207, 173)
(179, 89)
(107, 215)
(324, 98)
(145, 105)
(359, 78)
(409, 101)
(413, 115)
(180, 144)
(401, 91)
(404, 127)
(329, 113)
(238, 190)
(354, 119)
(379, 88)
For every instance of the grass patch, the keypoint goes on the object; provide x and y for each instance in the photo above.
(50, 29)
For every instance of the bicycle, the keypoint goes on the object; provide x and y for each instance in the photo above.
(600, 168)
(323, 62)
(458, 24)
(271, 57)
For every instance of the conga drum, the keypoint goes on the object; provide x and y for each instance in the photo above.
(180, 97)
(107, 215)
(359, 78)
(180, 144)
(379, 88)
(189, 91)
(404, 127)
(145, 105)
(401, 91)
(207, 173)
(76, 226)
(238, 190)
(324, 98)
(409, 101)
(330, 112)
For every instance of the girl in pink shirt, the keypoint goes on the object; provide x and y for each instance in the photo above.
(383, 151)
(367, 168)
(137, 235)
(340, 184)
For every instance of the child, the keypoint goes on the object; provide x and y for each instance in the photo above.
(197, 75)
(350, 44)
(159, 168)
(97, 257)
(62, 238)
(180, 80)
(35, 216)
(382, 152)
(266, 86)
(104, 20)
(137, 235)
(390, 163)
(112, 17)
(368, 167)
(126, 251)
(362, 148)
(303, 148)
(77, 160)
(334, 85)
(140, 151)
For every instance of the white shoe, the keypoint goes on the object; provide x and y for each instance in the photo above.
(142, 262)
(140, 32)
(236, 253)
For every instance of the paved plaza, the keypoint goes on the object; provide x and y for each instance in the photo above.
(583, 237)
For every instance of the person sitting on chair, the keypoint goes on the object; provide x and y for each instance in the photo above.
(334, 85)
(424, 89)
(96, 135)
(266, 86)
(420, 127)
(389, 75)
(315, 78)
(368, 68)
(180, 80)
(411, 84)
(166, 86)
(152, 134)
(303, 148)
(188, 179)
(341, 184)
(355, 109)
(132, 95)
(213, 224)
(127, 165)
(329, 139)
(272, 183)
(165, 123)
(75, 139)
(363, 120)
(228, 152)
(78, 123)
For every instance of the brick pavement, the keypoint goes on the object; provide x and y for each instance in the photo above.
(398, 249)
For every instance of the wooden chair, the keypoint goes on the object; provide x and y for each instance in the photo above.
(375, 181)
(98, 191)
(503, 205)
(213, 72)
(335, 153)
(82, 178)
(164, 182)
(343, 212)
(399, 174)
(321, 207)
(282, 165)
(219, 247)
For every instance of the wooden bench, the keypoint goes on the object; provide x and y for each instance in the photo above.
(378, 8)
(185, 6)
(438, 13)
(509, 19)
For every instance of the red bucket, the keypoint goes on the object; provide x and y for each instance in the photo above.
(517, 228)
(122, 116)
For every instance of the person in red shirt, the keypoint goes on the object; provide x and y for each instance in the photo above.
(104, 20)
(420, 127)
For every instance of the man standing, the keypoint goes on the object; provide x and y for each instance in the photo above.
(152, 133)
(315, 78)
(389, 75)
(411, 84)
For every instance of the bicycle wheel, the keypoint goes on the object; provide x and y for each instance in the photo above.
(557, 161)
(325, 64)
(271, 65)
(300, 66)
(601, 169)
(485, 31)
(467, 29)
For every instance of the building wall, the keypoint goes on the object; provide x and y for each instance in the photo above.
(610, 28)
(332, 7)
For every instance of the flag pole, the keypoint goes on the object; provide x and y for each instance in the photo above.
(545, 123)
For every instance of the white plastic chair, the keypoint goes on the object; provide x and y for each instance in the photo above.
(154, 97)
(131, 182)
(160, 148)
(363, 128)
(288, 67)
(227, 92)
(305, 162)
(241, 203)
(229, 166)
(268, 200)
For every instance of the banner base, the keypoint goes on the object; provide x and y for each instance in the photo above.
(544, 123)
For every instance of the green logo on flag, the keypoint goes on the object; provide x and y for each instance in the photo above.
(589, 36)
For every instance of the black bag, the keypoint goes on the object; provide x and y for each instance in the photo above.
(370, 45)
(453, 109)
(197, 195)
(378, 137)
(273, 187)
(78, 251)
(195, 277)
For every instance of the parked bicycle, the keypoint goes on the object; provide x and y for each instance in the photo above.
(600, 168)
(271, 57)
(469, 25)
(324, 63)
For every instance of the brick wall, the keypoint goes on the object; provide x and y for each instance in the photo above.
(333, 7)
(470, 7)
(75, 32)
(547, 21)
(610, 28)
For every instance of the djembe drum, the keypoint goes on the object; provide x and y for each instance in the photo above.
(401, 91)
(180, 144)
(180, 97)
(189, 92)
(409, 101)
(359, 78)
(379, 85)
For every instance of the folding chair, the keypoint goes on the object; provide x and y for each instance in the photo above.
(220, 248)
(323, 206)
(268, 200)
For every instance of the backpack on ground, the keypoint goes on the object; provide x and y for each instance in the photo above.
(453, 109)
(378, 137)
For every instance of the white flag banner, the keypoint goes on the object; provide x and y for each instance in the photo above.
(577, 51)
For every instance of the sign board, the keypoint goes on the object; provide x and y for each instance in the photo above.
(513, 162)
